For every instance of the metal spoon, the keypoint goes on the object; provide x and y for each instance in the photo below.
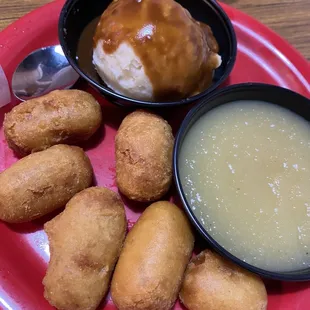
(42, 71)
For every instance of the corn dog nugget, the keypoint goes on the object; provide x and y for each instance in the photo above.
(85, 241)
(215, 283)
(62, 116)
(43, 182)
(143, 151)
(156, 251)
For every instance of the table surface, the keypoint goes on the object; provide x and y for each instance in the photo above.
(289, 18)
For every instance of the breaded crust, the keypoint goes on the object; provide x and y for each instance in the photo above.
(85, 241)
(62, 116)
(150, 269)
(212, 282)
(43, 182)
(143, 149)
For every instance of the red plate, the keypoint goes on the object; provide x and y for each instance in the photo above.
(262, 57)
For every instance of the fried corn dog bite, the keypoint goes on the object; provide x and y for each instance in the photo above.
(60, 117)
(143, 150)
(43, 182)
(212, 282)
(85, 241)
(156, 251)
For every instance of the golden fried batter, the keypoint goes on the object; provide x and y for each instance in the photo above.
(43, 182)
(85, 241)
(212, 283)
(62, 116)
(150, 269)
(143, 149)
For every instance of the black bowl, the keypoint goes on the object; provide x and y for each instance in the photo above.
(77, 14)
(251, 91)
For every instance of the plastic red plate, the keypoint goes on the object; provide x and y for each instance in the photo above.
(262, 57)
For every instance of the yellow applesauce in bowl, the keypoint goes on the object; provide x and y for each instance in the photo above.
(245, 171)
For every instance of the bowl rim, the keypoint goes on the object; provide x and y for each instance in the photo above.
(297, 275)
(105, 91)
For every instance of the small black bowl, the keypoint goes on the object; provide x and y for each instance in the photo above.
(249, 91)
(77, 14)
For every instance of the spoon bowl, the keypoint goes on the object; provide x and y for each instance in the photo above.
(41, 72)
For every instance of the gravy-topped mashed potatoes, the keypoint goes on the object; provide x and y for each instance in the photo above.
(154, 50)
(245, 169)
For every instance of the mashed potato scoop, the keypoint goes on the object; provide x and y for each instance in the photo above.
(154, 50)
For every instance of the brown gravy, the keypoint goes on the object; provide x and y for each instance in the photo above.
(85, 50)
(155, 28)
